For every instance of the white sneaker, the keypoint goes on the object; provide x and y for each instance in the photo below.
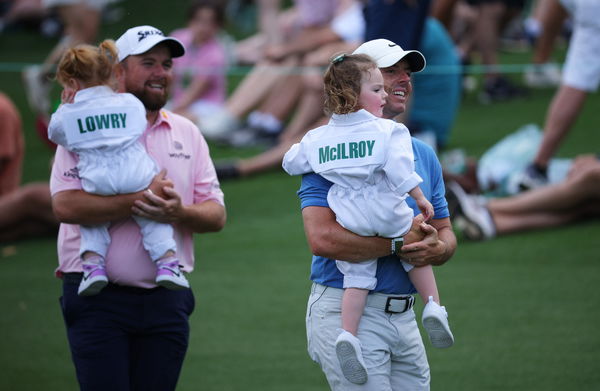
(542, 76)
(219, 126)
(349, 353)
(435, 322)
(37, 89)
(472, 216)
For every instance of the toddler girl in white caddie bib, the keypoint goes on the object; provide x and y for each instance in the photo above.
(371, 164)
(103, 128)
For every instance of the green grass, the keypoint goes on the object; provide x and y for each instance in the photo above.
(523, 307)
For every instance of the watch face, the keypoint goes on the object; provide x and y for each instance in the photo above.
(398, 243)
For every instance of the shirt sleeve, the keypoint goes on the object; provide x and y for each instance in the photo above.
(206, 187)
(295, 161)
(313, 190)
(438, 196)
(56, 131)
(435, 189)
(64, 175)
(400, 165)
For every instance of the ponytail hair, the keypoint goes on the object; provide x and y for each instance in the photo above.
(342, 82)
(90, 64)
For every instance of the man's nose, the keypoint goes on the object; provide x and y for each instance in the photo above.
(159, 70)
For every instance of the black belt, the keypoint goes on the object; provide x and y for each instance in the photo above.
(392, 304)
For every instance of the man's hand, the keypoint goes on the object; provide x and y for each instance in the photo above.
(162, 203)
(422, 244)
(159, 182)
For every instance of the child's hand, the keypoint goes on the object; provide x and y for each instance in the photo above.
(426, 208)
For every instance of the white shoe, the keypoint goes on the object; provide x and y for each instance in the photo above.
(542, 76)
(218, 126)
(472, 216)
(37, 89)
(435, 322)
(349, 353)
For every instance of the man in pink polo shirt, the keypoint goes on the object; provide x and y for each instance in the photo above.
(133, 334)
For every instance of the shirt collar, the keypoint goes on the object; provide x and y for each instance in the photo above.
(164, 119)
(92, 92)
(361, 115)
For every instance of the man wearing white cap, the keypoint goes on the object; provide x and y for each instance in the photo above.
(133, 334)
(392, 347)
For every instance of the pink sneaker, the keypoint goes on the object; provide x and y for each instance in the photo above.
(93, 281)
(170, 276)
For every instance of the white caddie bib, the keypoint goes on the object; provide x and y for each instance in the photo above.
(97, 124)
(355, 150)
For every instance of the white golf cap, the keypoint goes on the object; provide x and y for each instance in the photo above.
(386, 53)
(140, 39)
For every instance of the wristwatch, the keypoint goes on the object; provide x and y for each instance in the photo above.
(397, 244)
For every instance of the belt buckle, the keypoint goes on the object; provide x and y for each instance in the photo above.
(409, 300)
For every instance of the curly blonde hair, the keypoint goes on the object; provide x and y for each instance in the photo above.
(90, 64)
(342, 82)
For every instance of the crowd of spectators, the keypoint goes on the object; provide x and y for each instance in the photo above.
(281, 96)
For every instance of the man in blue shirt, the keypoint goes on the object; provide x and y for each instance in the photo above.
(391, 343)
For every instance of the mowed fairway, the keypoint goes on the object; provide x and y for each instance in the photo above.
(523, 308)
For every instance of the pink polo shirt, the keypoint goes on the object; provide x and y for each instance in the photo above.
(177, 145)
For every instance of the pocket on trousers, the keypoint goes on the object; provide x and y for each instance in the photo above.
(71, 304)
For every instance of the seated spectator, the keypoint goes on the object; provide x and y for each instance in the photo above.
(274, 25)
(12, 146)
(20, 13)
(426, 114)
(25, 211)
(574, 199)
(275, 79)
(199, 82)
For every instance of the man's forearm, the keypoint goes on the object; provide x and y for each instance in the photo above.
(208, 216)
(328, 239)
(447, 244)
(79, 207)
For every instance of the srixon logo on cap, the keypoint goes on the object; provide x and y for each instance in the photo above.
(144, 34)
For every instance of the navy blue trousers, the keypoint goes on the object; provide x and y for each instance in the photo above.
(127, 339)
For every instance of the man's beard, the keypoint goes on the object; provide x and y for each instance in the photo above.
(151, 101)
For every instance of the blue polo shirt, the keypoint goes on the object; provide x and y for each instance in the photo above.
(391, 276)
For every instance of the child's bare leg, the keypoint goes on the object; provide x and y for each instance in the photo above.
(424, 281)
(353, 305)
(347, 345)
(435, 317)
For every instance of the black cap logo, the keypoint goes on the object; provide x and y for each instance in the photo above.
(144, 34)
